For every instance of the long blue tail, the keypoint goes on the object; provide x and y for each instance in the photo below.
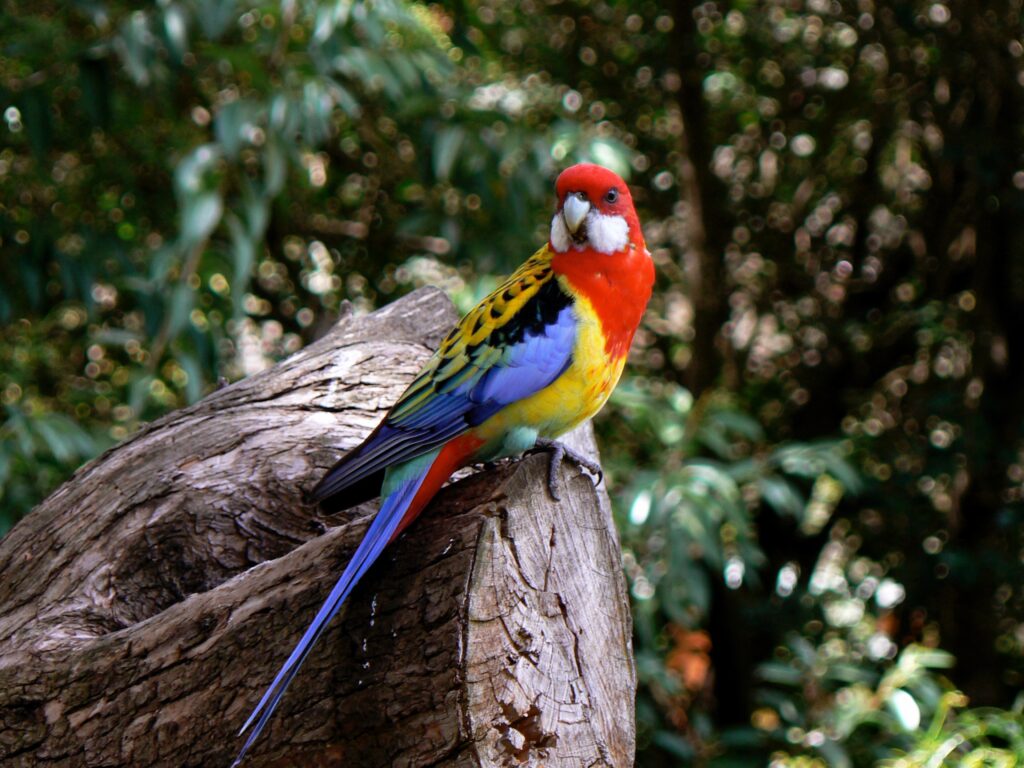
(376, 539)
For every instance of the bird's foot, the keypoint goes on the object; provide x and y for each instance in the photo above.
(560, 452)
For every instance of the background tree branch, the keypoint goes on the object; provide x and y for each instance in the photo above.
(145, 605)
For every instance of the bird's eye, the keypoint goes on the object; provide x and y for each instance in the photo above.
(611, 195)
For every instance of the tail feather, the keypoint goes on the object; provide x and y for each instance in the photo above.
(385, 525)
(405, 500)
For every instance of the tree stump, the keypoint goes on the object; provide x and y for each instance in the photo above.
(148, 602)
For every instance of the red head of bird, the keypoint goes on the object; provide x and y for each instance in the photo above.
(595, 211)
(599, 250)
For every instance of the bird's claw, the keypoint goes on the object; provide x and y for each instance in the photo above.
(560, 452)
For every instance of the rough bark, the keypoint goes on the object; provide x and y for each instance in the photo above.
(146, 604)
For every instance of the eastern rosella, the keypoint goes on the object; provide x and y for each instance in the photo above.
(531, 361)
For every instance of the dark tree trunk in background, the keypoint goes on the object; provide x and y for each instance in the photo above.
(707, 231)
(146, 604)
(975, 202)
(711, 360)
(965, 237)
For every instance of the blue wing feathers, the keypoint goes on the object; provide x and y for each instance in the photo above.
(383, 449)
(530, 365)
(536, 351)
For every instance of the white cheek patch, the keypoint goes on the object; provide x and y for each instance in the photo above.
(607, 234)
(560, 238)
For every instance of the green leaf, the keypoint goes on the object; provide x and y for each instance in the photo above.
(135, 46)
(780, 673)
(906, 710)
(215, 18)
(780, 494)
(194, 173)
(274, 168)
(243, 251)
(446, 150)
(674, 744)
(200, 216)
(182, 301)
(138, 391)
(738, 422)
(230, 126)
(176, 31)
(611, 154)
(191, 366)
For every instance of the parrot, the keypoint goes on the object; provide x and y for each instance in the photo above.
(531, 361)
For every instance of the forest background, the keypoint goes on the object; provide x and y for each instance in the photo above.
(816, 456)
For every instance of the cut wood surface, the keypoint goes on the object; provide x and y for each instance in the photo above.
(146, 604)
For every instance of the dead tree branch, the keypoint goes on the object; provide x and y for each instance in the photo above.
(146, 604)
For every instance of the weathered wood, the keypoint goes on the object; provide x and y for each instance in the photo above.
(147, 603)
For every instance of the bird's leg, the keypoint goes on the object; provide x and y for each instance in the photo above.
(560, 452)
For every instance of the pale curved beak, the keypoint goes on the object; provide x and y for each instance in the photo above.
(575, 210)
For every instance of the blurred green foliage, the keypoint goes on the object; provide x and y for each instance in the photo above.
(817, 458)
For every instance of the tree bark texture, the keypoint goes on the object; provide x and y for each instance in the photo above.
(146, 605)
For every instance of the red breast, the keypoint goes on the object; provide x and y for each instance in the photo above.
(617, 284)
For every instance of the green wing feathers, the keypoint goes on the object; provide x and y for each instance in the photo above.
(476, 343)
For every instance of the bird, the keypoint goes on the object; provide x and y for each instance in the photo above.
(531, 361)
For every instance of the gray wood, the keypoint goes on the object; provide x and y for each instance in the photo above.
(147, 603)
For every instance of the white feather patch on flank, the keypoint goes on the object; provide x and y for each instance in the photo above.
(560, 238)
(607, 234)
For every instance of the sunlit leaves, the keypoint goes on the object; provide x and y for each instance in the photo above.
(147, 212)
(35, 452)
(446, 149)
(198, 196)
